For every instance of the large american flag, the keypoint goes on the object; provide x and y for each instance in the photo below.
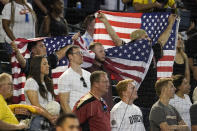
(128, 61)
(153, 23)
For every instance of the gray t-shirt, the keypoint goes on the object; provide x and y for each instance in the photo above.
(161, 113)
(193, 114)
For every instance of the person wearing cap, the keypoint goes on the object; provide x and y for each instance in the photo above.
(147, 95)
(125, 115)
(37, 47)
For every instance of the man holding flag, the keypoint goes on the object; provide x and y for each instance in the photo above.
(146, 92)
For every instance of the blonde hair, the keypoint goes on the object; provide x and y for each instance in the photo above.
(4, 77)
(160, 84)
(137, 34)
(122, 86)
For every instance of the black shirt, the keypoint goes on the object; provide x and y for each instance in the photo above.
(193, 114)
(58, 28)
(146, 92)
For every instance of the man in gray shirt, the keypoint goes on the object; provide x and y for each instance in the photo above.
(162, 115)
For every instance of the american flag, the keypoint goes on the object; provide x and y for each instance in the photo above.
(153, 23)
(127, 61)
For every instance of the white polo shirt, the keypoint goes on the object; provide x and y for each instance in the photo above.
(132, 121)
(70, 81)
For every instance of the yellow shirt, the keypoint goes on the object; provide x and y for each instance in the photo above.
(170, 2)
(6, 114)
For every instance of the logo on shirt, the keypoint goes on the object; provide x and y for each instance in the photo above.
(24, 11)
(171, 117)
(135, 118)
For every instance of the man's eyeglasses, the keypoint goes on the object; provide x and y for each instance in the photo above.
(78, 53)
(84, 83)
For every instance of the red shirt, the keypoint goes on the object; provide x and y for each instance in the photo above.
(92, 113)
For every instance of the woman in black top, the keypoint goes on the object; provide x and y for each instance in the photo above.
(54, 23)
(181, 65)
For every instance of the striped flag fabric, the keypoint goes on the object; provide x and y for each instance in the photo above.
(153, 23)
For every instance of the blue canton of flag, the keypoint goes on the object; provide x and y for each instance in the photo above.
(54, 44)
(136, 51)
(155, 24)
(130, 60)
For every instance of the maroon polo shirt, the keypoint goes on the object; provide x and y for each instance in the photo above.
(93, 114)
(108, 96)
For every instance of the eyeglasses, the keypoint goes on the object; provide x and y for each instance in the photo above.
(104, 108)
(78, 53)
(84, 83)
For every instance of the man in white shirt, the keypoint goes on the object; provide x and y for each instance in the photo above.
(125, 115)
(74, 82)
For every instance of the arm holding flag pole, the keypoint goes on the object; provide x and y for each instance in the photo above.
(166, 34)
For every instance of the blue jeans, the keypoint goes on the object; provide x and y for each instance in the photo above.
(39, 123)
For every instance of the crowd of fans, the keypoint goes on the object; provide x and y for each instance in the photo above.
(85, 96)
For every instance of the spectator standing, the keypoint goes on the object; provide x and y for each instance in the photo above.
(18, 19)
(88, 25)
(54, 23)
(74, 82)
(7, 119)
(193, 115)
(147, 5)
(91, 110)
(181, 100)
(98, 65)
(41, 11)
(162, 115)
(146, 92)
(181, 63)
(125, 115)
(67, 122)
(39, 91)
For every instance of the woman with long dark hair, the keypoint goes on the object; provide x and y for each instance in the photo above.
(39, 87)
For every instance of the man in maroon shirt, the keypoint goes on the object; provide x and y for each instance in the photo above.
(91, 110)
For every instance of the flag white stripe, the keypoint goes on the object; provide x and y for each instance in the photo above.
(117, 29)
(123, 19)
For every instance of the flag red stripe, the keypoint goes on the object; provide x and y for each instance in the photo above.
(119, 73)
(136, 15)
(125, 67)
(57, 74)
(167, 58)
(122, 24)
(19, 86)
(16, 75)
(17, 99)
(164, 69)
(121, 35)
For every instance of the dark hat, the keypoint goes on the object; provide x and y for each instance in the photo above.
(32, 42)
